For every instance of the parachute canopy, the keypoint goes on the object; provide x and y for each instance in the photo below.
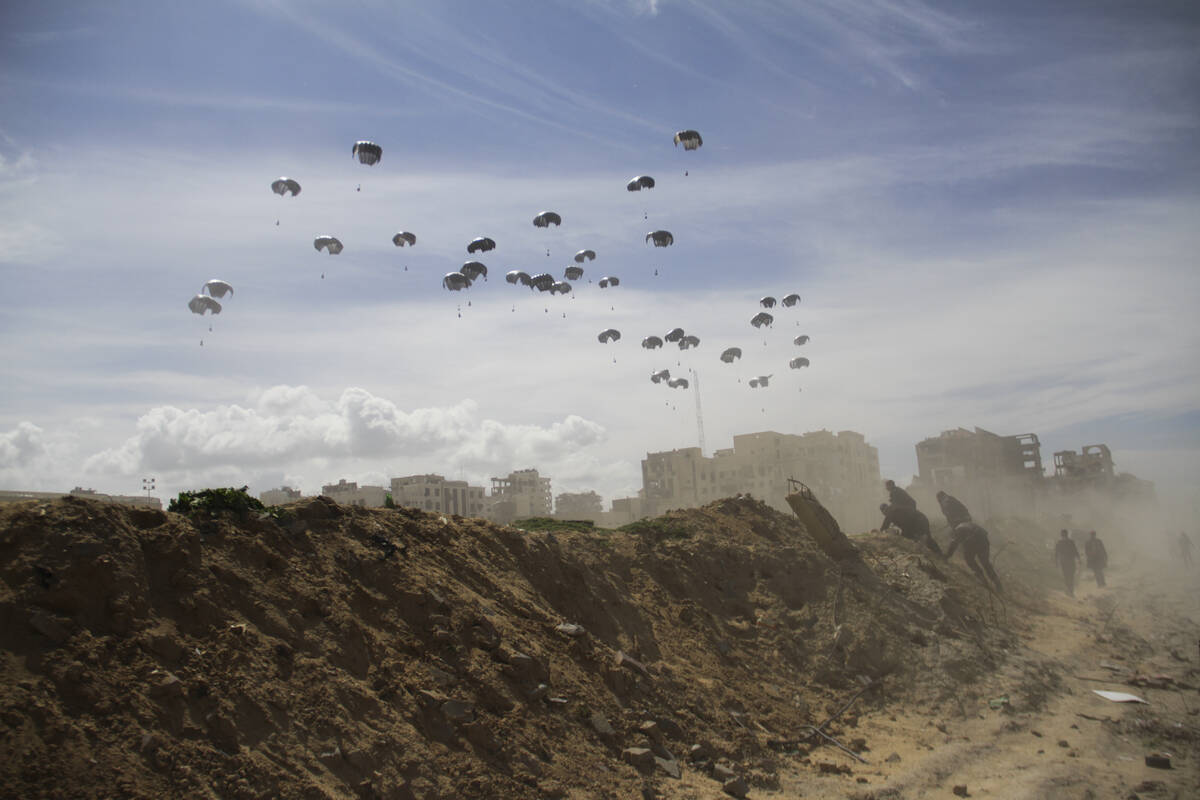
(762, 318)
(217, 288)
(688, 342)
(544, 219)
(767, 302)
(760, 381)
(561, 287)
(674, 335)
(517, 276)
(368, 153)
(609, 280)
(678, 383)
(543, 282)
(404, 237)
(202, 303)
(282, 186)
(689, 139)
(330, 244)
(483, 244)
(660, 238)
(791, 300)
(660, 376)
(639, 183)
(473, 269)
(456, 281)
(573, 273)
(610, 335)
(652, 342)
(797, 363)
(800, 340)
(585, 255)
(730, 353)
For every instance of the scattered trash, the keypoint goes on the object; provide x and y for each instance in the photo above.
(961, 790)
(1119, 697)
(998, 702)
(1158, 761)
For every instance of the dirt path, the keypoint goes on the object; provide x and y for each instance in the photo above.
(1075, 744)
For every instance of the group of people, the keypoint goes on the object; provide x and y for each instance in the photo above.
(901, 513)
(1066, 556)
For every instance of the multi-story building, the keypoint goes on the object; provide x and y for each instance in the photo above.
(579, 505)
(841, 469)
(349, 493)
(524, 493)
(986, 471)
(277, 497)
(435, 493)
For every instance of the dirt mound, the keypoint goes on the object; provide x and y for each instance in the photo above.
(325, 651)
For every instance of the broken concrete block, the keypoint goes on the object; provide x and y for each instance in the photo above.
(631, 664)
(640, 758)
(735, 787)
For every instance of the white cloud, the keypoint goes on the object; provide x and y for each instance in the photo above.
(21, 445)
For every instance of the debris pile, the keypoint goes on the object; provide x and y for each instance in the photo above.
(314, 650)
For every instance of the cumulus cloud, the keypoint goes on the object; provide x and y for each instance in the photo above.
(20, 446)
(285, 425)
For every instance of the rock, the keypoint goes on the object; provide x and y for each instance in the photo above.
(481, 736)
(698, 752)
(669, 766)
(164, 646)
(484, 634)
(1063, 743)
(631, 664)
(961, 790)
(570, 629)
(651, 731)
(539, 692)
(600, 724)
(165, 684)
(894, 758)
(639, 757)
(670, 728)
(723, 772)
(524, 667)
(735, 787)
(1158, 761)
(1151, 786)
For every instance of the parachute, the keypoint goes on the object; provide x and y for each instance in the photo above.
(797, 363)
(678, 383)
(791, 300)
(730, 353)
(639, 183)
(217, 288)
(610, 335)
(762, 318)
(473, 269)
(368, 153)
(482, 243)
(202, 303)
(282, 186)
(573, 273)
(767, 302)
(543, 282)
(517, 276)
(674, 335)
(800, 340)
(660, 376)
(660, 238)
(331, 244)
(609, 280)
(544, 219)
(688, 342)
(760, 381)
(652, 342)
(456, 281)
(562, 287)
(585, 255)
(689, 139)
(404, 237)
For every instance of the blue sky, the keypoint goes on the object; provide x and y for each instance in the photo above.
(988, 209)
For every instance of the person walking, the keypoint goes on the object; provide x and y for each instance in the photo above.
(953, 509)
(1095, 556)
(976, 550)
(1066, 556)
(912, 524)
(1185, 549)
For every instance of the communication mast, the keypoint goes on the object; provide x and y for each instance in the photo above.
(699, 413)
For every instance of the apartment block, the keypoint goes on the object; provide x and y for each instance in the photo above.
(579, 505)
(277, 497)
(435, 493)
(523, 493)
(349, 493)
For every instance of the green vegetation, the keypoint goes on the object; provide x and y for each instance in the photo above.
(658, 528)
(388, 502)
(548, 524)
(213, 501)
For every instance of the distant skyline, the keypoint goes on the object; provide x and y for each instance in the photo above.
(988, 209)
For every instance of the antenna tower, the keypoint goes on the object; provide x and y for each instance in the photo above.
(699, 413)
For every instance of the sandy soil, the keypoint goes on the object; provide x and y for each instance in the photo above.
(330, 652)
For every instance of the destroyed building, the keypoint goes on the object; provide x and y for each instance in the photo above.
(523, 493)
